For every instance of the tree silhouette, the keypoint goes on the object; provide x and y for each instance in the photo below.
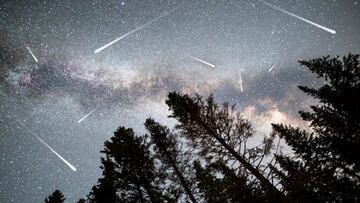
(82, 200)
(55, 197)
(326, 167)
(130, 174)
(220, 132)
(219, 183)
(105, 190)
(166, 148)
(136, 169)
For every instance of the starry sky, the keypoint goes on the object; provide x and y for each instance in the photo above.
(128, 81)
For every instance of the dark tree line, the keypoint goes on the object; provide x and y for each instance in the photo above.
(207, 157)
(55, 197)
(326, 165)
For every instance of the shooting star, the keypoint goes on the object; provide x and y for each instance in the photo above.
(203, 62)
(51, 149)
(32, 54)
(129, 33)
(240, 82)
(79, 121)
(272, 67)
(300, 18)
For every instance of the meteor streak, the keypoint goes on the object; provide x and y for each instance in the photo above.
(51, 149)
(129, 33)
(203, 62)
(272, 67)
(32, 54)
(300, 18)
(79, 121)
(241, 82)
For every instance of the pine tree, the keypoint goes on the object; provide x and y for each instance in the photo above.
(105, 190)
(82, 200)
(166, 148)
(55, 197)
(326, 162)
(219, 183)
(130, 173)
(222, 133)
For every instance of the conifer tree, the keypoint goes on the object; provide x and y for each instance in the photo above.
(56, 197)
(222, 133)
(166, 148)
(326, 162)
(82, 200)
(129, 172)
(219, 183)
(105, 190)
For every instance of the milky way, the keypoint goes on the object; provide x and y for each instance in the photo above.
(72, 97)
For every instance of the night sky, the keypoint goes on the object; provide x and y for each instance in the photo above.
(44, 95)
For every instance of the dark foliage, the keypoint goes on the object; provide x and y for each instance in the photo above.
(81, 200)
(326, 166)
(129, 172)
(105, 190)
(166, 147)
(220, 132)
(219, 179)
(55, 197)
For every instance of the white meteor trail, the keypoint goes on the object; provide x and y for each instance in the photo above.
(300, 18)
(32, 54)
(79, 121)
(272, 67)
(51, 149)
(241, 82)
(129, 33)
(203, 62)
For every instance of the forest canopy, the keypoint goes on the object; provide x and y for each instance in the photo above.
(207, 158)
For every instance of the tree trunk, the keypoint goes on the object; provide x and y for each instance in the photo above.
(181, 177)
(275, 194)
